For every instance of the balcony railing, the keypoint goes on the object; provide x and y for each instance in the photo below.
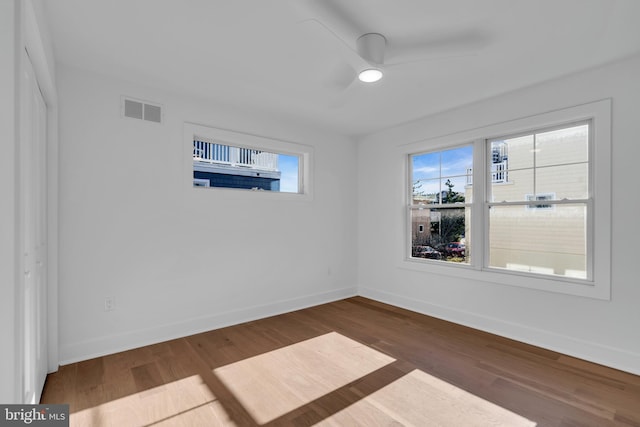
(499, 173)
(234, 156)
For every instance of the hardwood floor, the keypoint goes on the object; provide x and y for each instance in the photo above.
(351, 362)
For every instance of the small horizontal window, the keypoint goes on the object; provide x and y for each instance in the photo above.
(232, 160)
(229, 166)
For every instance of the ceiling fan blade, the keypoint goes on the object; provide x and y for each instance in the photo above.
(319, 30)
(333, 15)
(348, 93)
(341, 77)
(432, 47)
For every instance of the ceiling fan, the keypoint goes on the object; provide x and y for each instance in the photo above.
(370, 54)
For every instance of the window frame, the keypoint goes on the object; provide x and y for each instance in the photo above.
(252, 142)
(597, 286)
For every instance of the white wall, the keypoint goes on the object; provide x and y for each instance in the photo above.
(597, 330)
(8, 191)
(180, 260)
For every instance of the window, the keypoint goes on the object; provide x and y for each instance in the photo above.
(545, 238)
(440, 196)
(224, 159)
(527, 198)
(230, 166)
(201, 182)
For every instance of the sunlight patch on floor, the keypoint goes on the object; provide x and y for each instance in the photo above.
(186, 402)
(419, 399)
(275, 383)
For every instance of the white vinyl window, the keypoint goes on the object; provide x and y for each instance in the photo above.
(524, 203)
(441, 198)
(550, 238)
(219, 158)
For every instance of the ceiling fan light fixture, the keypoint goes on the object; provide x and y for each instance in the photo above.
(370, 75)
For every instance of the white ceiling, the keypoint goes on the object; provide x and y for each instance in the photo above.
(262, 55)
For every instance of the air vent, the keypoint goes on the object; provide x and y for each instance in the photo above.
(142, 110)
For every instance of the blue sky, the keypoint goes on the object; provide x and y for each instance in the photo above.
(433, 169)
(288, 165)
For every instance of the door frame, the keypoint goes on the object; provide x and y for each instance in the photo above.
(33, 37)
(32, 234)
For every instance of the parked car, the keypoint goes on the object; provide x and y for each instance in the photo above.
(454, 249)
(426, 252)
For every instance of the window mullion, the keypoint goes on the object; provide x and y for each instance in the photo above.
(535, 170)
(478, 226)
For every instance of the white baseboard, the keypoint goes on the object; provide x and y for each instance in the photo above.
(101, 346)
(593, 352)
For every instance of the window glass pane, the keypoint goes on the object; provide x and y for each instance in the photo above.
(426, 191)
(456, 162)
(568, 145)
(453, 189)
(518, 184)
(566, 182)
(546, 241)
(244, 168)
(426, 166)
(290, 172)
(559, 158)
(440, 233)
(513, 153)
(437, 176)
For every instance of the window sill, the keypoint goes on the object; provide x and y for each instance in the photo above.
(250, 194)
(567, 286)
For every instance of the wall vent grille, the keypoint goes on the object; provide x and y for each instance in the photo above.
(143, 110)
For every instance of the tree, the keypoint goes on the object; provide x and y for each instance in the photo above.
(417, 189)
(451, 196)
(450, 225)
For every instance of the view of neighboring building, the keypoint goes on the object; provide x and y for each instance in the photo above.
(552, 169)
(437, 227)
(439, 212)
(549, 167)
(218, 165)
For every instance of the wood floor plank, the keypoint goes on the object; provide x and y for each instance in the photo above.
(283, 370)
(146, 377)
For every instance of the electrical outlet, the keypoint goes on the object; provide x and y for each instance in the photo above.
(109, 304)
